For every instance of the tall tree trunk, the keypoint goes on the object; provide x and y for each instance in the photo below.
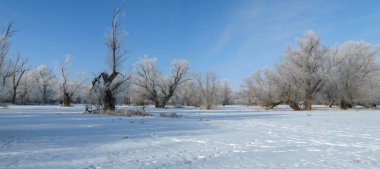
(308, 103)
(157, 104)
(160, 104)
(272, 105)
(44, 99)
(343, 104)
(208, 107)
(66, 99)
(293, 105)
(331, 103)
(13, 99)
(109, 101)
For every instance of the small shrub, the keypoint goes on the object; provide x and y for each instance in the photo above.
(128, 113)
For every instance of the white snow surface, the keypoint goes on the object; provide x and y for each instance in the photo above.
(230, 137)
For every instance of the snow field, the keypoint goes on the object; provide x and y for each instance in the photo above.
(231, 137)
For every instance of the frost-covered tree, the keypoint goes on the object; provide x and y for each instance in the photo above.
(189, 92)
(209, 86)
(6, 35)
(18, 70)
(27, 89)
(355, 72)
(226, 93)
(66, 94)
(264, 89)
(68, 86)
(44, 79)
(300, 76)
(270, 88)
(107, 84)
(347, 73)
(156, 88)
(304, 67)
(170, 84)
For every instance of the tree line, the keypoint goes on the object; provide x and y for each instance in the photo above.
(21, 84)
(345, 75)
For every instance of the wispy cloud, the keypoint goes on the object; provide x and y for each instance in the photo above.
(258, 21)
(257, 32)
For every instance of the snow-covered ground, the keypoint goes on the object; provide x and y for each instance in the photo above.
(231, 137)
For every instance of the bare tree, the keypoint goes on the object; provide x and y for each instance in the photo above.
(208, 85)
(65, 87)
(68, 87)
(329, 94)
(152, 86)
(305, 67)
(44, 78)
(264, 88)
(147, 79)
(226, 93)
(354, 72)
(5, 37)
(190, 93)
(106, 85)
(346, 73)
(18, 70)
(169, 85)
(26, 88)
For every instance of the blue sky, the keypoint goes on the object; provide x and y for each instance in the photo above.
(231, 37)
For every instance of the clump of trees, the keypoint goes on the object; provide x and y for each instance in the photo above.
(180, 88)
(354, 75)
(44, 79)
(345, 75)
(21, 84)
(208, 86)
(312, 73)
(152, 86)
(262, 88)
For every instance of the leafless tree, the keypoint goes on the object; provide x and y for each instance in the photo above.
(25, 89)
(264, 88)
(152, 86)
(356, 69)
(208, 85)
(18, 69)
(226, 93)
(169, 85)
(5, 37)
(305, 67)
(346, 73)
(65, 87)
(190, 93)
(68, 87)
(106, 85)
(44, 77)
(302, 73)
